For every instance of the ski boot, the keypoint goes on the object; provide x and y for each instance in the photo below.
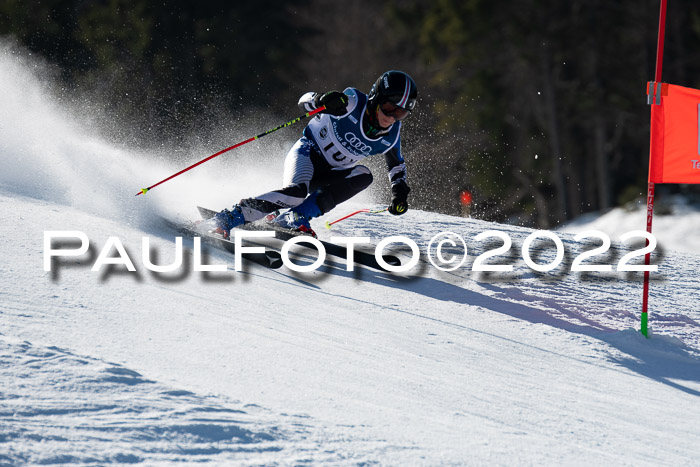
(224, 221)
(270, 218)
(294, 221)
(298, 217)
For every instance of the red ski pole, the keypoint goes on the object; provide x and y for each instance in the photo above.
(369, 211)
(291, 122)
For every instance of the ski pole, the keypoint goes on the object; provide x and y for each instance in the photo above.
(368, 211)
(291, 122)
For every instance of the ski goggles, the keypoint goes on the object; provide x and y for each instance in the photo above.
(392, 110)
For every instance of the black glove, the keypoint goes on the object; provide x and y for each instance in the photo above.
(335, 101)
(399, 203)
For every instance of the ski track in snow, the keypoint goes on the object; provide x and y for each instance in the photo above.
(271, 367)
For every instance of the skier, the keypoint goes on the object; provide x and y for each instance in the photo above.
(320, 170)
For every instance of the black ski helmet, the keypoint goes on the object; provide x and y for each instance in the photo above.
(395, 87)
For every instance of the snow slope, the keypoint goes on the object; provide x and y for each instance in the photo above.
(275, 367)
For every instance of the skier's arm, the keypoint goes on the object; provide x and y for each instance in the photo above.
(395, 165)
(397, 175)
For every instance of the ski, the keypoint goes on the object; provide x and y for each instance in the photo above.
(270, 258)
(339, 251)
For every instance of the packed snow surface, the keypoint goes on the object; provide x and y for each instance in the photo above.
(265, 366)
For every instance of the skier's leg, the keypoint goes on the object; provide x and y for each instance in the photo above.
(298, 171)
(340, 186)
(347, 184)
(335, 187)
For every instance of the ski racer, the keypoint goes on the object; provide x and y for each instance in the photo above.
(321, 170)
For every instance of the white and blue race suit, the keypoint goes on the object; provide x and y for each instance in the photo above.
(324, 159)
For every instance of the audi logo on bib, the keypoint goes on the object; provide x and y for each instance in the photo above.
(356, 143)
